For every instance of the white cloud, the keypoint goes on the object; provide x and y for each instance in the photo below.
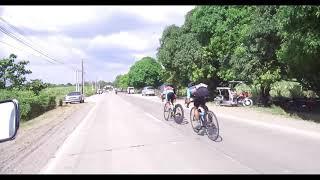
(136, 43)
(54, 18)
(113, 65)
(127, 40)
(139, 56)
(48, 18)
(159, 14)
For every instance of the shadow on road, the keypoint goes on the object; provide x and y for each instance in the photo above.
(219, 139)
(185, 121)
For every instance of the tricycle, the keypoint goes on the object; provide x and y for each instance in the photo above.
(229, 97)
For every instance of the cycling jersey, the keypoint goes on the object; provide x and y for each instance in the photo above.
(169, 93)
(199, 92)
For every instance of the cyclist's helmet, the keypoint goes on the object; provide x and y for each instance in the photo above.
(190, 84)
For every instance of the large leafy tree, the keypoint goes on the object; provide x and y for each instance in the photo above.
(121, 81)
(254, 59)
(145, 72)
(36, 85)
(12, 74)
(299, 27)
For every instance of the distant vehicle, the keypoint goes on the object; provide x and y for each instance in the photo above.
(74, 97)
(99, 91)
(228, 96)
(148, 91)
(130, 90)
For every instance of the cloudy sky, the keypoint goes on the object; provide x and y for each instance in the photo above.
(109, 38)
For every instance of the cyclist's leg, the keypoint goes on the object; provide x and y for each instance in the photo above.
(172, 98)
(196, 103)
(168, 99)
(202, 103)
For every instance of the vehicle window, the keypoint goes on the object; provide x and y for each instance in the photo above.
(74, 94)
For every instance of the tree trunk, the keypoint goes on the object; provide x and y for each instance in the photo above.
(265, 96)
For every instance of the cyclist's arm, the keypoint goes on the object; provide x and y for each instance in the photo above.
(188, 93)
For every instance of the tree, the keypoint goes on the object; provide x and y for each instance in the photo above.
(145, 72)
(12, 75)
(255, 59)
(124, 81)
(299, 27)
(36, 86)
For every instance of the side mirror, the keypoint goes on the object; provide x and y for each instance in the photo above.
(9, 119)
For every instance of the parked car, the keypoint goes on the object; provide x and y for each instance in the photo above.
(74, 97)
(130, 90)
(148, 91)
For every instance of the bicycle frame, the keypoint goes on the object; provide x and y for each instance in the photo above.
(202, 114)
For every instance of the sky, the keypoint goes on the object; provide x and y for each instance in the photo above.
(109, 39)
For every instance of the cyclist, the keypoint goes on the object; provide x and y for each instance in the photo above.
(169, 93)
(199, 92)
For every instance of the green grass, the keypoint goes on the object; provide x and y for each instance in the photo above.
(313, 116)
(61, 92)
(275, 110)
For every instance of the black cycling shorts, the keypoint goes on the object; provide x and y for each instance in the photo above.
(170, 97)
(197, 101)
(200, 97)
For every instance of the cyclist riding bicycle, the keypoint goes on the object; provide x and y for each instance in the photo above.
(199, 93)
(169, 93)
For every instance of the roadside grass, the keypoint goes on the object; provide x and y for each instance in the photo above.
(61, 92)
(313, 116)
(275, 110)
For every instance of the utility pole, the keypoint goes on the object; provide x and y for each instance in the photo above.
(82, 77)
(92, 85)
(76, 79)
(96, 84)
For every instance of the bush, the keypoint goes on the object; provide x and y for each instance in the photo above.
(31, 105)
(286, 89)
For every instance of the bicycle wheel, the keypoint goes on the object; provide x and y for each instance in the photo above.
(178, 113)
(212, 126)
(166, 111)
(193, 121)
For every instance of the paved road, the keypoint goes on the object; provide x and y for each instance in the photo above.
(127, 134)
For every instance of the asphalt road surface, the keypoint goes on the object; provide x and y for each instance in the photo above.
(128, 134)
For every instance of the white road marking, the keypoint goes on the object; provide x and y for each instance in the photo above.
(53, 161)
(272, 126)
(153, 117)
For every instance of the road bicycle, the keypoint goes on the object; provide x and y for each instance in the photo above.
(173, 111)
(207, 120)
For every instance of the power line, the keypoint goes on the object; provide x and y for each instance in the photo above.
(20, 32)
(20, 49)
(19, 40)
(7, 32)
